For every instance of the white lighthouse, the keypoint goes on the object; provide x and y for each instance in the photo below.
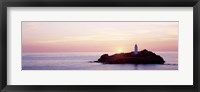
(136, 49)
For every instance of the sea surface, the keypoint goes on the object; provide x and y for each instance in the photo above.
(82, 61)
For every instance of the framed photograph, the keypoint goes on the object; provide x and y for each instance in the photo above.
(93, 45)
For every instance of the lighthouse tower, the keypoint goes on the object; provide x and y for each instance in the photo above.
(136, 49)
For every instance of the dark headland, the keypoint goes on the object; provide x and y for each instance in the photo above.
(142, 57)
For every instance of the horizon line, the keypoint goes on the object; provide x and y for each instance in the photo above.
(89, 51)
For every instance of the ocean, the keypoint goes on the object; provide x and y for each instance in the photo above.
(82, 61)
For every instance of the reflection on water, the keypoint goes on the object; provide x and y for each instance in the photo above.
(81, 61)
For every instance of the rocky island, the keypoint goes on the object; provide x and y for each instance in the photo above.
(136, 57)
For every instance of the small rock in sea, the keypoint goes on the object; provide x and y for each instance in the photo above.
(142, 57)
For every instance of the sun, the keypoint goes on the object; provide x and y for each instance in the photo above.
(119, 50)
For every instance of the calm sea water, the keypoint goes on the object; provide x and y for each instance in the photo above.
(81, 61)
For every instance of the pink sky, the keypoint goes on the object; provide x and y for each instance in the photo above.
(98, 36)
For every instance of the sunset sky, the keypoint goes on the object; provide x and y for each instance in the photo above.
(98, 36)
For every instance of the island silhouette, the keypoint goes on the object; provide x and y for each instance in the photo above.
(134, 57)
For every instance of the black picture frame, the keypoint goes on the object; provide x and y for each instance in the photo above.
(98, 3)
